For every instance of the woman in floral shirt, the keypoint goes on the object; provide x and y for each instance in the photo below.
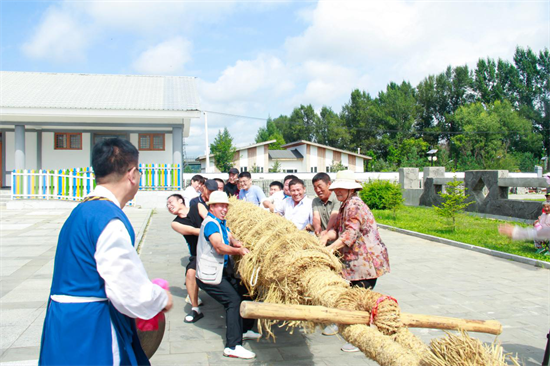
(364, 255)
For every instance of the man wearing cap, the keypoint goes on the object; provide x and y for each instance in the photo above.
(209, 186)
(231, 187)
(215, 274)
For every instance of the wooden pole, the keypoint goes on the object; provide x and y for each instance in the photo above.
(321, 314)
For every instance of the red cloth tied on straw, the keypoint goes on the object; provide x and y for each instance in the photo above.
(153, 323)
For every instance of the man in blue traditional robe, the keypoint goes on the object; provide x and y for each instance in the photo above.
(99, 284)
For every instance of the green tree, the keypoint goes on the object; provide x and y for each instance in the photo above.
(490, 133)
(223, 150)
(454, 201)
(270, 132)
(336, 166)
(330, 130)
(276, 168)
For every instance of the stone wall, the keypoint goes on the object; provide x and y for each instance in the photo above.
(487, 189)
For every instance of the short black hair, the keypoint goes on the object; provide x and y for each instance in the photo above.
(296, 181)
(198, 178)
(245, 175)
(290, 176)
(178, 196)
(113, 156)
(278, 184)
(321, 176)
(220, 181)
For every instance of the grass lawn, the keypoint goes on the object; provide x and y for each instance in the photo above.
(469, 229)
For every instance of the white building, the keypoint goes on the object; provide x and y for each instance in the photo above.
(298, 157)
(246, 158)
(52, 120)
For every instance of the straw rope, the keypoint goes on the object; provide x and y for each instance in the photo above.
(289, 266)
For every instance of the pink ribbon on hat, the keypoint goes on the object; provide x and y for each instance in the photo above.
(147, 325)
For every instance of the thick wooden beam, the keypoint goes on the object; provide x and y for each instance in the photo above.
(321, 314)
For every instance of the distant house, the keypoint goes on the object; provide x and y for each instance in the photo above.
(298, 157)
(52, 120)
(247, 158)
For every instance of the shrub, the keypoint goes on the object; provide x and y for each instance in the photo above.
(382, 195)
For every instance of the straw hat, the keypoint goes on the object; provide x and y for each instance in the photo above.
(218, 197)
(345, 180)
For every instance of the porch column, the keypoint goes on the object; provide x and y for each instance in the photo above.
(177, 145)
(19, 146)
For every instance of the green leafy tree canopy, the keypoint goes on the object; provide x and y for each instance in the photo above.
(223, 150)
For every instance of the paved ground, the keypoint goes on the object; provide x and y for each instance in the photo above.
(427, 277)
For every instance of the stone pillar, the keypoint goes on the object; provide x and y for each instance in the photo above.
(177, 145)
(409, 178)
(433, 172)
(38, 149)
(19, 147)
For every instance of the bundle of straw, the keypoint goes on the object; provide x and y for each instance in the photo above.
(289, 266)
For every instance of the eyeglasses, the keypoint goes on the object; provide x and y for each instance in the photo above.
(137, 169)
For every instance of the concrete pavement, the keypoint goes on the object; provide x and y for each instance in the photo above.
(427, 278)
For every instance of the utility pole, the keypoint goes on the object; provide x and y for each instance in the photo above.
(207, 150)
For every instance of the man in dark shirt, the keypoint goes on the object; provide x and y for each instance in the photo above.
(231, 187)
(209, 186)
(188, 223)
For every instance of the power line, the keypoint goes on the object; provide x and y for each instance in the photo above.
(389, 131)
(236, 115)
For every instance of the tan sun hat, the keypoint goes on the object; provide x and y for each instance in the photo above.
(218, 197)
(345, 180)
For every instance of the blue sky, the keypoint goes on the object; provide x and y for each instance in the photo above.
(263, 58)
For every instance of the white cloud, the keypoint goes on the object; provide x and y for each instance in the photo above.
(249, 81)
(58, 37)
(404, 40)
(167, 17)
(166, 58)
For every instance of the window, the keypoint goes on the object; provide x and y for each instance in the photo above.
(243, 169)
(291, 171)
(151, 141)
(328, 169)
(314, 169)
(68, 141)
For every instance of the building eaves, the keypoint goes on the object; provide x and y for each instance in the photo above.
(302, 142)
(97, 91)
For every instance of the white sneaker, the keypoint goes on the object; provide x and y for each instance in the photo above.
(251, 335)
(348, 347)
(238, 352)
(330, 330)
(188, 300)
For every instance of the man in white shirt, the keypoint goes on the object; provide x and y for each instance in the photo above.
(194, 189)
(99, 284)
(298, 207)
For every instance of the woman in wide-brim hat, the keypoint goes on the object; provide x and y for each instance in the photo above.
(356, 236)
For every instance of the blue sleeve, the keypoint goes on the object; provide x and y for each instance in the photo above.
(211, 228)
(260, 194)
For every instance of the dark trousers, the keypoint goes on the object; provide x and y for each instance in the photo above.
(230, 294)
(364, 283)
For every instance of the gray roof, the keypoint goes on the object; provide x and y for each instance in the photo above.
(93, 91)
(285, 154)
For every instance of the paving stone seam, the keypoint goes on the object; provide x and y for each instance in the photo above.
(458, 244)
(142, 230)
